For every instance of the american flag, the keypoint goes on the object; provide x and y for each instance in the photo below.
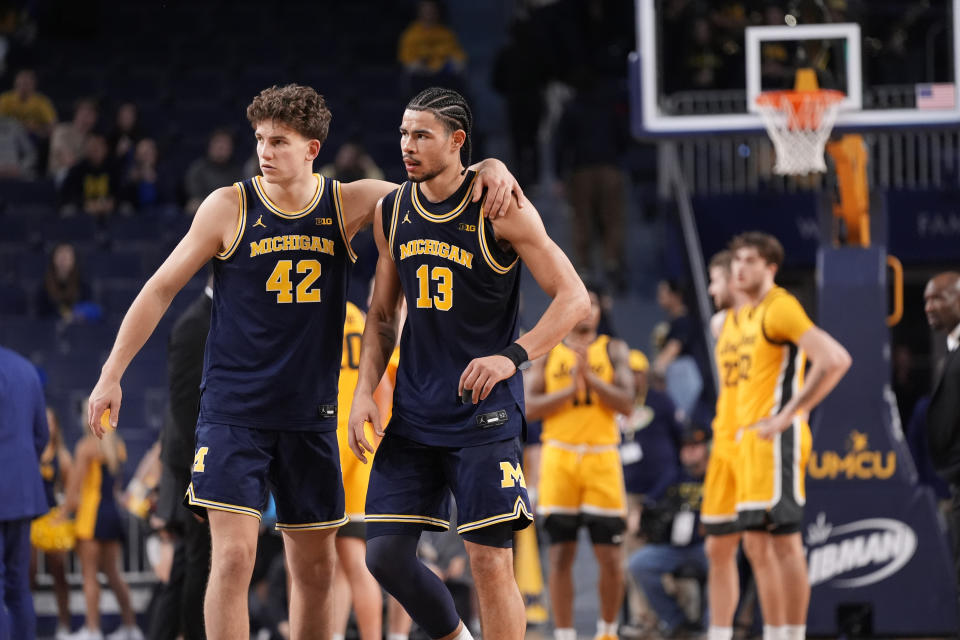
(936, 96)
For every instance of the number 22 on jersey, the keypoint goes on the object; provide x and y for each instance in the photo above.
(443, 300)
(280, 283)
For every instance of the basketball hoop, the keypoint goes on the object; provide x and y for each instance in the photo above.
(799, 123)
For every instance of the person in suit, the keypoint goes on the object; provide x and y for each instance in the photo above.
(24, 433)
(179, 607)
(942, 305)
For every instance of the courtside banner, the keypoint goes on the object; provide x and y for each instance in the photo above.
(924, 225)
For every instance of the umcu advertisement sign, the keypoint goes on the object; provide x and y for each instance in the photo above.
(858, 461)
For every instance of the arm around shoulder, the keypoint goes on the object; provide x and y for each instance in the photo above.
(358, 201)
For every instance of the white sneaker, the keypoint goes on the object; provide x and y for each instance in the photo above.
(63, 633)
(86, 634)
(126, 633)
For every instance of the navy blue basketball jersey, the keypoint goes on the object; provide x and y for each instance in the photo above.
(462, 291)
(276, 328)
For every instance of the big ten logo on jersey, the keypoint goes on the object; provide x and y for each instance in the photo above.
(858, 462)
(323, 222)
(351, 350)
(467, 227)
(512, 475)
(198, 465)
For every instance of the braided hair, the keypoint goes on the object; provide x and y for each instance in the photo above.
(451, 109)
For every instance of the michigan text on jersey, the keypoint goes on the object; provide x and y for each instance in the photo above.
(451, 252)
(291, 243)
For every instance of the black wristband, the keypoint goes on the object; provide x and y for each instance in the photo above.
(516, 354)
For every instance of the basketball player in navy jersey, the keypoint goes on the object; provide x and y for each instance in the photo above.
(268, 413)
(458, 400)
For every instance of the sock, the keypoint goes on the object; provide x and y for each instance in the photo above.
(398, 636)
(565, 634)
(392, 559)
(336, 636)
(771, 632)
(719, 633)
(794, 632)
(605, 628)
(464, 633)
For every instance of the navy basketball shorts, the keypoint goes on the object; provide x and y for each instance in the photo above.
(235, 468)
(411, 484)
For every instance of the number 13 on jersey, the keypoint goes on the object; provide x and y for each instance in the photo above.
(443, 300)
(279, 281)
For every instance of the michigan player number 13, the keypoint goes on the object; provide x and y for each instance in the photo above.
(280, 283)
(443, 300)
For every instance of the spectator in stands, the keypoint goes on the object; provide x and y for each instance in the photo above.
(212, 171)
(777, 57)
(591, 140)
(675, 541)
(651, 444)
(18, 156)
(63, 287)
(651, 463)
(33, 109)
(126, 133)
(23, 431)
(142, 185)
(49, 534)
(683, 361)
(91, 185)
(429, 50)
(519, 75)
(703, 63)
(69, 139)
(92, 502)
(352, 162)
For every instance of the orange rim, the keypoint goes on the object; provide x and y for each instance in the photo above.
(802, 115)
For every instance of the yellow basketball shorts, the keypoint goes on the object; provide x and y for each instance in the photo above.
(718, 511)
(356, 475)
(581, 479)
(770, 477)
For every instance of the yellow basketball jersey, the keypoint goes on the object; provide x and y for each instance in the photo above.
(728, 366)
(584, 419)
(771, 363)
(349, 362)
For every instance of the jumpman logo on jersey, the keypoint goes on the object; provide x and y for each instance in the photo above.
(406, 217)
(259, 223)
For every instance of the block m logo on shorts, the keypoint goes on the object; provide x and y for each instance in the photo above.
(512, 474)
(198, 465)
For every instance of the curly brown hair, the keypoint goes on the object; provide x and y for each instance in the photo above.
(298, 107)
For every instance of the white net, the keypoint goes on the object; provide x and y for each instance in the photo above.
(799, 123)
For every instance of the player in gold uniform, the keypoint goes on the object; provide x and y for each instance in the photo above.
(353, 581)
(773, 403)
(577, 389)
(718, 511)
